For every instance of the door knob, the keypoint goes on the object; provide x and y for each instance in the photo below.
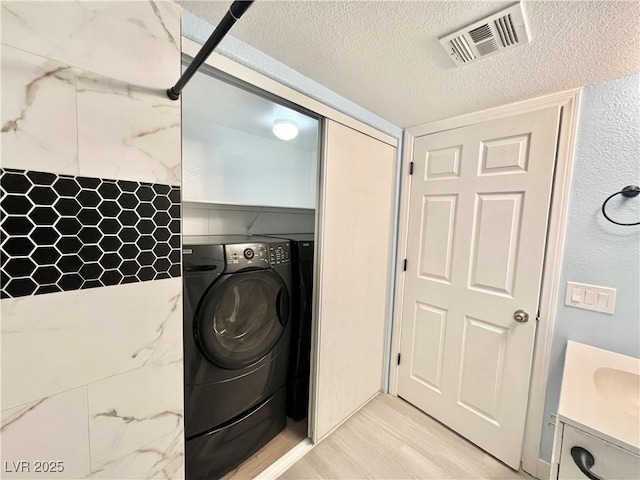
(521, 316)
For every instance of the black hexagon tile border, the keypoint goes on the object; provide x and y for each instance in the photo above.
(60, 232)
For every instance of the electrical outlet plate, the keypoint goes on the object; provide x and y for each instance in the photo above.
(590, 297)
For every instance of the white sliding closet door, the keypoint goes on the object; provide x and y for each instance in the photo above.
(354, 260)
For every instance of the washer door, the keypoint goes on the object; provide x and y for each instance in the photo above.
(241, 317)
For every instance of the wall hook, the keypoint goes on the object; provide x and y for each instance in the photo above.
(629, 191)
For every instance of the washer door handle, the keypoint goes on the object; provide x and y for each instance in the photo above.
(201, 268)
(282, 308)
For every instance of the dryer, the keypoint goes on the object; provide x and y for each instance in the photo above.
(302, 252)
(237, 303)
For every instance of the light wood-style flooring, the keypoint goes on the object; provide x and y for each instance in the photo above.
(391, 439)
(293, 434)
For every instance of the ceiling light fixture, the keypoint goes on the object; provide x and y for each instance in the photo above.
(285, 129)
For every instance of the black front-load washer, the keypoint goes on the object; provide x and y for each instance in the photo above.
(237, 303)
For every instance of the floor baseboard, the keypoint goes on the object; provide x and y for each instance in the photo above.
(544, 470)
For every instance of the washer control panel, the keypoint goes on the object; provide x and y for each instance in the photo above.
(279, 253)
(245, 255)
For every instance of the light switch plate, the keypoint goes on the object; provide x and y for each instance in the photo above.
(590, 297)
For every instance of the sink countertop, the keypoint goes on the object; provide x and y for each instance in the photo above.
(601, 394)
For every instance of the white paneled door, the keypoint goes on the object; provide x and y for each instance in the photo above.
(478, 213)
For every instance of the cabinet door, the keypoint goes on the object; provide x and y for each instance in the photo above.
(609, 461)
(354, 258)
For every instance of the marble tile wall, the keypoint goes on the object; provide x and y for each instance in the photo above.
(135, 42)
(39, 129)
(92, 378)
(143, 129)
(90, 105)
(50, 416)
(139, 439)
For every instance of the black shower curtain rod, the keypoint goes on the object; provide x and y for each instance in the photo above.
(236, 10)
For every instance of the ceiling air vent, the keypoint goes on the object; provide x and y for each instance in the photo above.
(462, 49)
(501, 31)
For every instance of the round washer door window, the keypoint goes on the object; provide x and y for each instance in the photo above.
(241, 317)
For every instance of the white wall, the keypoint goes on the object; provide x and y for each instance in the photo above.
(92, 374)
(226, 165)
(212, 219)
(596, 251)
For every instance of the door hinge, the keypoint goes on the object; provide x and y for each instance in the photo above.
(538, 316)
(399, 359)
(410, 168)
(404, 265)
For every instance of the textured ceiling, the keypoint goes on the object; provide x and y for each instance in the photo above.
(386, 57)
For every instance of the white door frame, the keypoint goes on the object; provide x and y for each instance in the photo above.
(569, 101)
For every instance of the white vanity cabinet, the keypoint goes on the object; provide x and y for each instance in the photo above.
(609, 460)
(598, 430)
